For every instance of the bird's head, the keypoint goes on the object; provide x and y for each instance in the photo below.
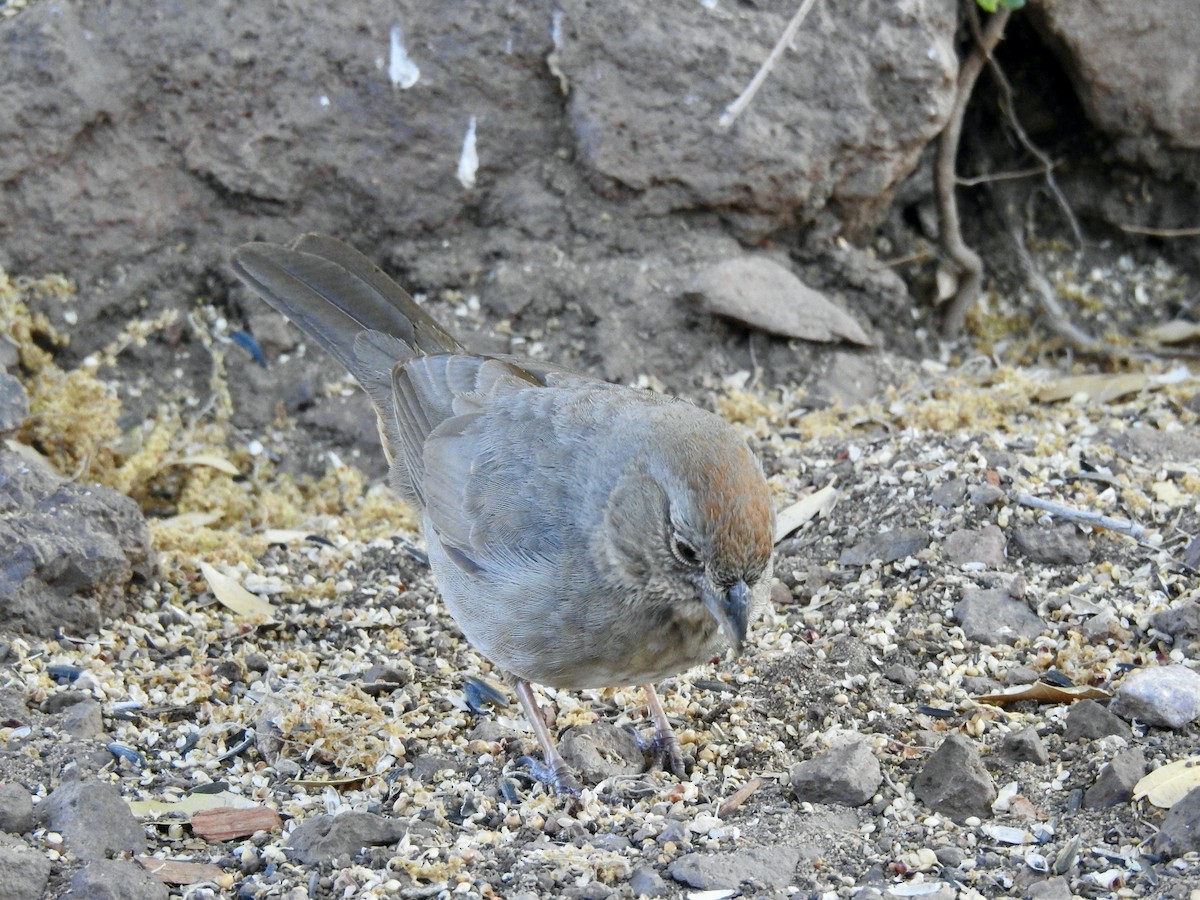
(692, 521)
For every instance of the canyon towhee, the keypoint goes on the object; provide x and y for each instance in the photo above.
(582, 534)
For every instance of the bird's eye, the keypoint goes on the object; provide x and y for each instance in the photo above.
(685, 552)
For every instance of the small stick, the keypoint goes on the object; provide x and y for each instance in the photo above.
(1160, 232)
(740, 796)
(1122, 526)
(735, 109)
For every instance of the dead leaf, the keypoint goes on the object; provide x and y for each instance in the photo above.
(818, 503)
(193, 519)
(227, 823)
(1045, 693)
(1094, 388)
(188, 805)
(180, 871)
(235, 597)
(285, 536)
(1175, 332)
(212, 460)
(1167, 785)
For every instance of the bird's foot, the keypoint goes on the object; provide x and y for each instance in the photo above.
(663, 748)
(560, 778)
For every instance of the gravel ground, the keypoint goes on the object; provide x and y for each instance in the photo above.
(917, 582)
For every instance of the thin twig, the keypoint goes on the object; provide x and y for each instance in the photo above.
(999, 176)
(967, 260)
(740, 796)
(1057, 318)
(1070, 513)
(735, 109)
(1030, 147)
(1160, 232)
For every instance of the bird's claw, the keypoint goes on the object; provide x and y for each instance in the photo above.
(560, 779)
(663, 748)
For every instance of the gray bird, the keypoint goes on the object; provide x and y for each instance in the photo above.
(582, 534)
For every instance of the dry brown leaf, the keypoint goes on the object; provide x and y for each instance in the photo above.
(228, 823)
(1167, 785)
(180, 871)
(235, 597)
(1045, 693)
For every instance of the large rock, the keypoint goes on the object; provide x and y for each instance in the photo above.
(68, 551)
(1135, 68)
(837, 123)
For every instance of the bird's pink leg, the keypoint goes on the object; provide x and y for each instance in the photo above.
(554, 770)
(665, 741)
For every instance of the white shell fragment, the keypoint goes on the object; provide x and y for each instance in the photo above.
(765, 295)
(402, 71)
(468, 161)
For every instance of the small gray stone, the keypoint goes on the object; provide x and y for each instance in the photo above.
(759, 292)
(326, 839)
(886, 547)
(953, 781)
(83, 721)
(993, 617)
(93, 820)
(847, 773)
(25, 870)
(1180, 829)
(949, 493)
(975, 545)
(601, 751)
(985, 494)
(903, 675)
(1181, 623)
(645, 882)
(1062, 544)
(16, 809)
(14, 404)
(117, 879)
(1089, 721)
(1024, 746)
(1114, 785)
(951, 857)
(1055, 888)
(769, 867)
(1166, 695)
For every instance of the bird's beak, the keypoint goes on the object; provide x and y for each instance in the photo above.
(732, 612)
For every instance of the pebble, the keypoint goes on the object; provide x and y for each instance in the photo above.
(761, 293)
(886, 547)
(975, 545)
(1060, 545)
(1180, 829)
(323, 839)
(1114, 785)
(26, 871)
(993, 617)
(16, 809)
(117, 879)
(601, 751)
(1024, 746)
(93, 819)
(645, 882)
(954, 782)
(1164, 695)
(1089, 721)
(949, 493)
(769, 867)
(847, 773)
